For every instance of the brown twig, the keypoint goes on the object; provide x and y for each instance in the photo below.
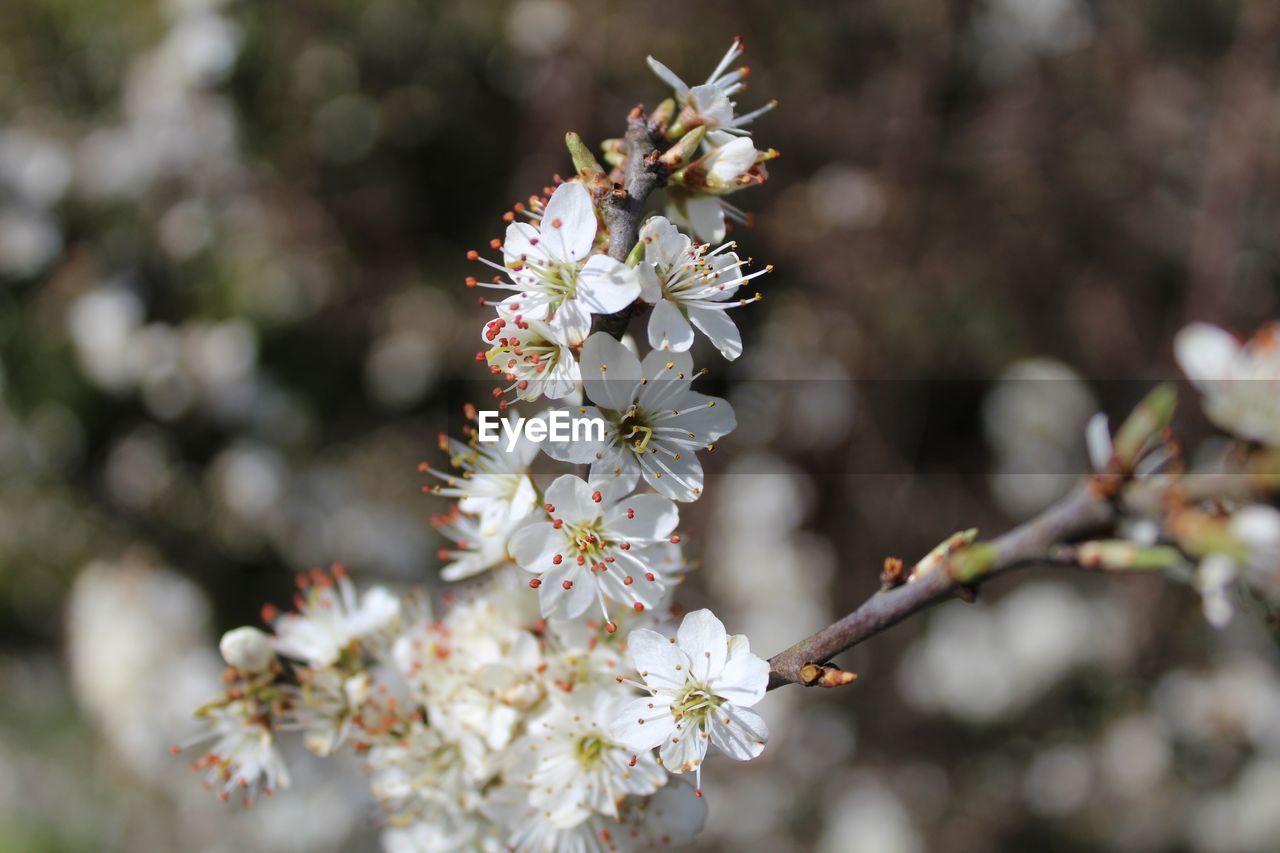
(623, 207)
(1084, 512)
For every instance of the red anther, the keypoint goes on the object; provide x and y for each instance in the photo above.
(473, 255)
(697, 792)
(639, 606)
(423, 467)
(300, 580)
(269, 613)
(539, 625)
(626, 546)
(628, 580)
(495, 243)
(497, 393)
(557, 560)
(443, 554)
(597, 497)
(557, 223)
(557, 523)
(339, 570)
(631, 513)
(581, 560)
(648, 576)
(524, 384)
(549, 507)
(535, 583)
(632, 762)
(470, 281)
(611, 627)
(508, 217)
(675, 540)
(480, 357)
(567, 585)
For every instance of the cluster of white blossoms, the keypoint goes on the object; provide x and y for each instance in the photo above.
(1239, 543)
(555, 701)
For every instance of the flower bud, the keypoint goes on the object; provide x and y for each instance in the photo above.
(247, 649)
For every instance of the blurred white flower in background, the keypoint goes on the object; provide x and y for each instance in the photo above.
(984, 662)
(141, 656)
(1034, 418)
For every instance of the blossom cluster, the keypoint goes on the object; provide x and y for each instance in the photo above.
(554, 700)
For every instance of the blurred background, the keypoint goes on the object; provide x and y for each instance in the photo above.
(232, 321)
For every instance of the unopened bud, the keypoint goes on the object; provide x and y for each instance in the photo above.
(247, 649)
(684, 149)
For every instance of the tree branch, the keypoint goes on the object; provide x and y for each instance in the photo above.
(1086, 511)
(623, 207)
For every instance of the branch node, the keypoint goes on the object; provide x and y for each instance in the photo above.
(825, 675)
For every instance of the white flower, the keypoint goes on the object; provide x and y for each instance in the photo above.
(709, 104)
(598, 546)
(1252, 555)
(243, 756)
(527, 354)
(553, 274)
(690, 283)
(331, 617)
(327, 706)
(696, 203)
(479, 546)
(574, 768)
(494, 481)
(1240, 382)
(247, 649)
(653, 423)
(701, 684)
(1215, 579)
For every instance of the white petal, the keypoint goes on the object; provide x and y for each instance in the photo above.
(713, 105)
(609, 372)
(745, 676)
(569, 222)
(660, 662)
(571, 323)
(719, 329)
(652, 517)
(534, 546)
(1205, 352)
(664, 244)
(650, 284)
(706, 218)
(583, 451)
(522, 241)
(669, 77)
(702, 637)
(555, 600)
(606, 285)
(739, 733)
(706, 421)
(668, 328)
(635, 735)
(683, 750)
(726, 163)
(571, 497)
(1097, 439)
(679, 479)
(655, 369)
(616, 466)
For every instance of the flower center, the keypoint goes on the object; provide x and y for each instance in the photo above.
(696, 705)
(634, 429)
(590, 749)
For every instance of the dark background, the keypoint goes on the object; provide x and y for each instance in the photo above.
(232, 321)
